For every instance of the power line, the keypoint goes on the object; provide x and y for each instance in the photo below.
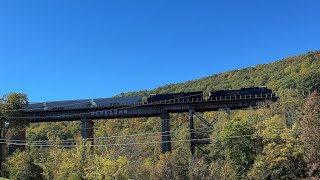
(14, 142)
(128, 144)
(124, 144)
(105, 145)
(103, 139)
(121, 136)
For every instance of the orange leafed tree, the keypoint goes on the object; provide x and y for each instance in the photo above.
(310, 126)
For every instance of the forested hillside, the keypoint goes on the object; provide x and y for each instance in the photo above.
(298, 72)
(277, 142)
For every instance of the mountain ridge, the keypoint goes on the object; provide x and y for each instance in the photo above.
(298, 72)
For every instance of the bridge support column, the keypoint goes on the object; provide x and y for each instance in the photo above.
(165, 132)
(192, 135)
(18, 137)
(227, 110)
(87, 131)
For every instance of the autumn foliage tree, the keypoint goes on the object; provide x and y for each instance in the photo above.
(310, 126)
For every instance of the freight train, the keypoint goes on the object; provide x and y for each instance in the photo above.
(153, 98)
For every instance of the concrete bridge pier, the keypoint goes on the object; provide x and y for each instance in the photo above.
(87, 130)
(165, 132)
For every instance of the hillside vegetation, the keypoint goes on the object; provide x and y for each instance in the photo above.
(276, 142)
(297, 72)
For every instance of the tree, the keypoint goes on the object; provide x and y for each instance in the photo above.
(21, 166)
(103, 167)
(310, 126)
(11, 115)
(65, 163)
(282, 156)
(165, 167)
(200, 170)
(236, 136)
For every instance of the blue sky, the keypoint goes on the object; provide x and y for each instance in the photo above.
(55, 50)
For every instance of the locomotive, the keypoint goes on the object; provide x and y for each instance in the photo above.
(242, 92)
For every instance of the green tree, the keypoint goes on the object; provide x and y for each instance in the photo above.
(11, 115)
(282, 155)
(10, 106)
(237, 138)
(21, 166)
(103, 167)
(65, 163)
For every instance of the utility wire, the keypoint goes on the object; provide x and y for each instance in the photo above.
(128, 144)
(103, 139)
(159, 134)
(125, 144)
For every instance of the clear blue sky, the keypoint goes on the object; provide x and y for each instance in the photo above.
(54, 50)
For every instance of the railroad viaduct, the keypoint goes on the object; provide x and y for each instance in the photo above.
(159, 109)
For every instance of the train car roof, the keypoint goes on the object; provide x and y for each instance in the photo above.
(84, 103)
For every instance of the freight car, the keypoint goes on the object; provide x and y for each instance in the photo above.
(182, 96)
(242, 92)
(85, 103)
